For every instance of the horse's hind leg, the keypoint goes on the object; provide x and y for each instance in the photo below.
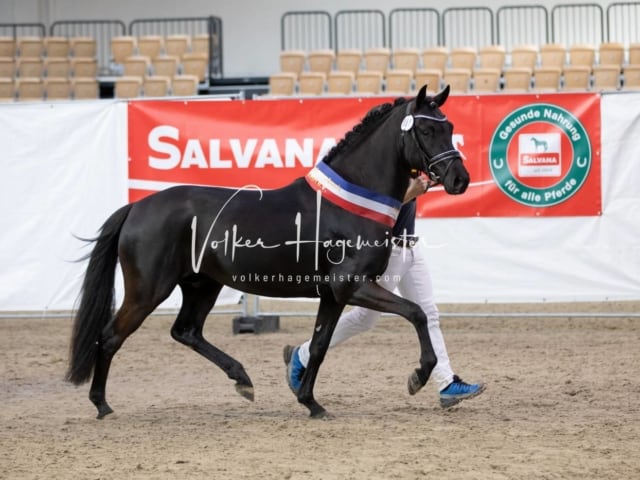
(127, 320)
(199, 298)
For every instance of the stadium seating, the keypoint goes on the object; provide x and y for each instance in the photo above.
(184, 85)
(283, 83)
(311, 83)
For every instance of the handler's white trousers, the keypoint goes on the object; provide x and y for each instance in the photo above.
(407, 270)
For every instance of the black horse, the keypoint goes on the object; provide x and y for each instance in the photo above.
(325, 235)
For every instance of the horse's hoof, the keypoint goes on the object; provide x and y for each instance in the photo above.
(322, 415)
(245, 390)
(103, 411)
(414, 384)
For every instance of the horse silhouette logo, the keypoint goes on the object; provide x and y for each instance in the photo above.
(540, 145)
(539, 155)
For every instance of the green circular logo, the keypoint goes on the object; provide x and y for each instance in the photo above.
(530, 159)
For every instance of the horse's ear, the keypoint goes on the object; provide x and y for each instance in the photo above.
(422, 94)
(441, 97)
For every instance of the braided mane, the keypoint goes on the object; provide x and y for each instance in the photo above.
(371, 120)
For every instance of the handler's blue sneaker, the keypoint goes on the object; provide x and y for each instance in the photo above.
(458, 391)
(295, 369)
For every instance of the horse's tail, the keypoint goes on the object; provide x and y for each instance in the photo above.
(97, 297)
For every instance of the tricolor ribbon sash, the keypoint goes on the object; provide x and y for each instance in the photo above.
(353, 198)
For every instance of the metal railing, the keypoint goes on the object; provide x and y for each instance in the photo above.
(468, 27)
(414, 28)
(509, 25)
(623, 22)
(16, 30)
(102, 30)
(361, 29)
(577, 23)
(310, 30)
(186, 25)
(522, 25)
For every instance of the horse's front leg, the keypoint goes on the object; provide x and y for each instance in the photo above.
(373, 296)
(328, 313)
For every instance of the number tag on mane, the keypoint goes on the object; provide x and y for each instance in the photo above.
(407, 123)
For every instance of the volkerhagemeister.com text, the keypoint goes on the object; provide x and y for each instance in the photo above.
(311, 278)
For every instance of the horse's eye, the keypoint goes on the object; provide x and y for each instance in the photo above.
(427, 130)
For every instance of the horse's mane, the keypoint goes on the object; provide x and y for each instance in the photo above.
(371, 120)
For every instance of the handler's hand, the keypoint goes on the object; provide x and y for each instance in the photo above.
(417, 186)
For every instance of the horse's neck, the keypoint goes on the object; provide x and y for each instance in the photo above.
(376, 163)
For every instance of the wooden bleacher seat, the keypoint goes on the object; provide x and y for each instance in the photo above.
(377, 60)
(634, 54)
(405, 59)
(177, 44)
(631, 77)
(458, 79)
(30, 67)
(321, 60)
(486, 80)
(606, 77)
(85, 88)
(292, 61)
(340, 82)
(311, 83)
(524, 56)
(517, 79)
(30, 89)
(582, 54)
(8, 67)
(57, 47)
(492, 56)
(136, 65)
(84, 67)
(369, 82)
(128, 86)
(200, 43)
(398, 81)
(435, 58)
(432, 77)
(165, 65)
(57, 67)
(546, 78)
(156, 86)
(576, 77)
(611, 53)
(58, 88)
(184, 85)
(283, 83)
(553, 55)
(150, 45)
(83, 47)
(30, 46)
(463, 57)
(348, 60)
(8, 46)
(196, 63)
(7, 89)
(121, 47)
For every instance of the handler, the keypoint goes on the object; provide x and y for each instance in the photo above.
(408, 271)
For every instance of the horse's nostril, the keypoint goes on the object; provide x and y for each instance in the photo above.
(461, 184)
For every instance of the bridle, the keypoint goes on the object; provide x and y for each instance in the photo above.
(427, 161)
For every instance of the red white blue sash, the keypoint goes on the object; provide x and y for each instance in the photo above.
(353, 198)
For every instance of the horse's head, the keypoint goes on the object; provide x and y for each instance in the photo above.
(427, 142)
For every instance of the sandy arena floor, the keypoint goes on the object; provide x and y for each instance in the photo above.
(562, 402)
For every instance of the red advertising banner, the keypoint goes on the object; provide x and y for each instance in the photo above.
(528, 155)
